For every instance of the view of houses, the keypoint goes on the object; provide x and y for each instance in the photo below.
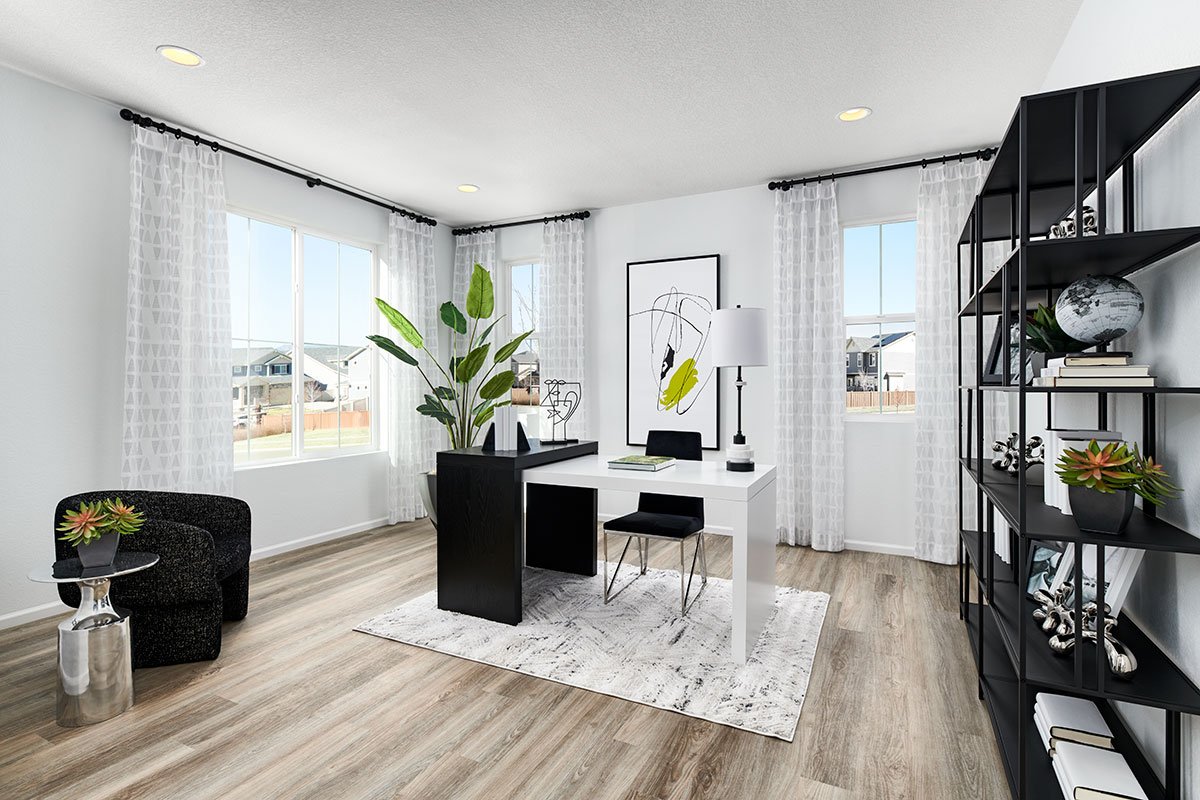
(881, 372)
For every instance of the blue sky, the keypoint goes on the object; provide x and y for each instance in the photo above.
(266, 289)
(863, 250)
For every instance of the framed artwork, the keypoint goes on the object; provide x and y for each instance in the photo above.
(670, 383)
(1120, 565)
(1044, 558)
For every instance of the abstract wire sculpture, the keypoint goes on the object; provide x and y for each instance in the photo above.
(560, 399)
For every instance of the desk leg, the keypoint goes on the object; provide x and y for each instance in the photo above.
(560, 528)
(754, 540)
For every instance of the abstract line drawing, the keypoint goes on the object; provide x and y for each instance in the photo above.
(560, 399)
(671, 382)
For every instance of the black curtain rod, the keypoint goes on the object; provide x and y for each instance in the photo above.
(559, 218)
(984, 154)
(311, 180)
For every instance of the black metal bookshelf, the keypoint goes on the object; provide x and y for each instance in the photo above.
(1060, 148)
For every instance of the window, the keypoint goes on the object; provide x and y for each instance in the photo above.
(880, 265)
(519, 291)
(299, 300)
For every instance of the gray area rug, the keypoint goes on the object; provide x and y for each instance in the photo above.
(638, 647)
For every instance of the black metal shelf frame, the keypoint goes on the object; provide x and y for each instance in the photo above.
(1059, 148)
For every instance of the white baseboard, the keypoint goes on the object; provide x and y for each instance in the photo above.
(316, 538)
(879, 547)
(15, 618)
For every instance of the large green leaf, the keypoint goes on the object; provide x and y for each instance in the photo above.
(469, 367)
(400, 323)
(483, 336)
(437, 412)
(445, 393)
(506, 352)
(388, 346)
(481, 299)
(483, 417)
(453, 318)
(497, 385)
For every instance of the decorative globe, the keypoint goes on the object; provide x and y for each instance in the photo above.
(1098, 309)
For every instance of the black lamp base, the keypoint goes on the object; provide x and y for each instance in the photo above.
(739, 466)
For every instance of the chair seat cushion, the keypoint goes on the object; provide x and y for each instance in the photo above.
(671, 526)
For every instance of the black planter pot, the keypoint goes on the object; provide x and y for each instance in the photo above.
(99, 552)
(1098, 512)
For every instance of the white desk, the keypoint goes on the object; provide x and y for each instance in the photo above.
(754, 536)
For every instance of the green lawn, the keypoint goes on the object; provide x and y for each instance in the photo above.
(264, 448)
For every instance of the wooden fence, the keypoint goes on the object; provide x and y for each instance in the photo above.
(272, 424)
(871, 399)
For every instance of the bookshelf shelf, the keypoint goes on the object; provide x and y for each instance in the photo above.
(1059, 148)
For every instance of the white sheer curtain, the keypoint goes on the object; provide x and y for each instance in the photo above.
(560, 311)
(944, 200)
(178, 349)
(412, 439)
(471, 249)
(810, 369)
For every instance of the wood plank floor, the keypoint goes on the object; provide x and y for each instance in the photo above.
(300, 706)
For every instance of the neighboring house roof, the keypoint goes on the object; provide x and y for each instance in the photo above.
(255, 355)
(864, 344)
(525, 356)
(330, 356)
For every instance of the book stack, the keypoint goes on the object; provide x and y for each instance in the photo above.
(1057, 440)
(644, 463)
(1080, 745)
(1095, 369)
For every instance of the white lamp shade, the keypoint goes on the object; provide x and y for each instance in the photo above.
(739, 337)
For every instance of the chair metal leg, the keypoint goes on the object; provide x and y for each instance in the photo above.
(685, 590)
(609, 594)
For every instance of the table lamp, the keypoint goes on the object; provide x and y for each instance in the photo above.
(739, 339)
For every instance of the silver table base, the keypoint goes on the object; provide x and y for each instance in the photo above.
(95, 667)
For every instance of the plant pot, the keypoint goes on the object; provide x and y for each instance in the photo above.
(99, 552)
(1100, 512)
(428, 488)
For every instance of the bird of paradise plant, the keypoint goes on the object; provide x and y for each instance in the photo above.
(95, 519)
(467, 400)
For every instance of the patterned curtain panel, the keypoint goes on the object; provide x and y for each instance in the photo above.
(469, 250)
(944, 201)
(178, 350)
(561, 277)
(810, 369)
(412, 439)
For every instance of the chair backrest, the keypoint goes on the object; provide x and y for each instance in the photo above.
(685, 446)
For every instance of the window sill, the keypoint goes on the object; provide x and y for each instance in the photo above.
(310, 459)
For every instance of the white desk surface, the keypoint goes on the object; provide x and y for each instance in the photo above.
(709, 479)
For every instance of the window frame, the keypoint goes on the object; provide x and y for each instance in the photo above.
(876, 319)
(503, 284)
(299, 230)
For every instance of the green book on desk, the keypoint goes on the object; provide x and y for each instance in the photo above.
(644, 463)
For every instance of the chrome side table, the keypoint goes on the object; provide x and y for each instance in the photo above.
(95, 668)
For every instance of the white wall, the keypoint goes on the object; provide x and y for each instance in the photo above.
(1152, 36)
(737, 224)
(64, 232)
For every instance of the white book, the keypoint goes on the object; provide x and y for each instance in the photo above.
(1102, 383)
(1043, 730)
(1095, 774)
(1073, 719)
(1063, 786)
(1126, 370)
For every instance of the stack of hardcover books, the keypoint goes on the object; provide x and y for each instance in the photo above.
(1095, 369)
(1080, 745)
(643, 463)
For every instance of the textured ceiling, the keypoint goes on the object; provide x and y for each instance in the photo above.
(553, 106)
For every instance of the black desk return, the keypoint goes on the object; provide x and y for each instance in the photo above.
(480, 513)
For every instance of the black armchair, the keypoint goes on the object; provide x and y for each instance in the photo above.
(201, 579)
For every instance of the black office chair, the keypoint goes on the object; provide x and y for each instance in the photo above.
(665, 517)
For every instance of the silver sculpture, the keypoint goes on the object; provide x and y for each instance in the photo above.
(560, 399)
(1008, 453)
(1066, 228)
(1058, 619)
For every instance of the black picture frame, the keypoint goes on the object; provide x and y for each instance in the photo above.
(1042, 564)
(630, 439)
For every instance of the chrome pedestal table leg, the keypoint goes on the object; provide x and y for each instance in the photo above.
(95, 666)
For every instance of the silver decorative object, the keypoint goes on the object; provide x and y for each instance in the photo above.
(1057, 618)
(1066, 228)
(1008, 453)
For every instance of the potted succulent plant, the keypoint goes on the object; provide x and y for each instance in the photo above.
(96, 529)
(469, 394)
(1102, 482)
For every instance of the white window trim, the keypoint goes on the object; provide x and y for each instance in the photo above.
(878, 319)
(299, 230)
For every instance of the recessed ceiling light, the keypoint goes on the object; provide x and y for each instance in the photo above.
(179, 55)
(468, 187)
(854, 114)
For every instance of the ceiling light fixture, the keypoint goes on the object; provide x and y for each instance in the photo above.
(854, 114)
(179, 55)
(468, 188)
